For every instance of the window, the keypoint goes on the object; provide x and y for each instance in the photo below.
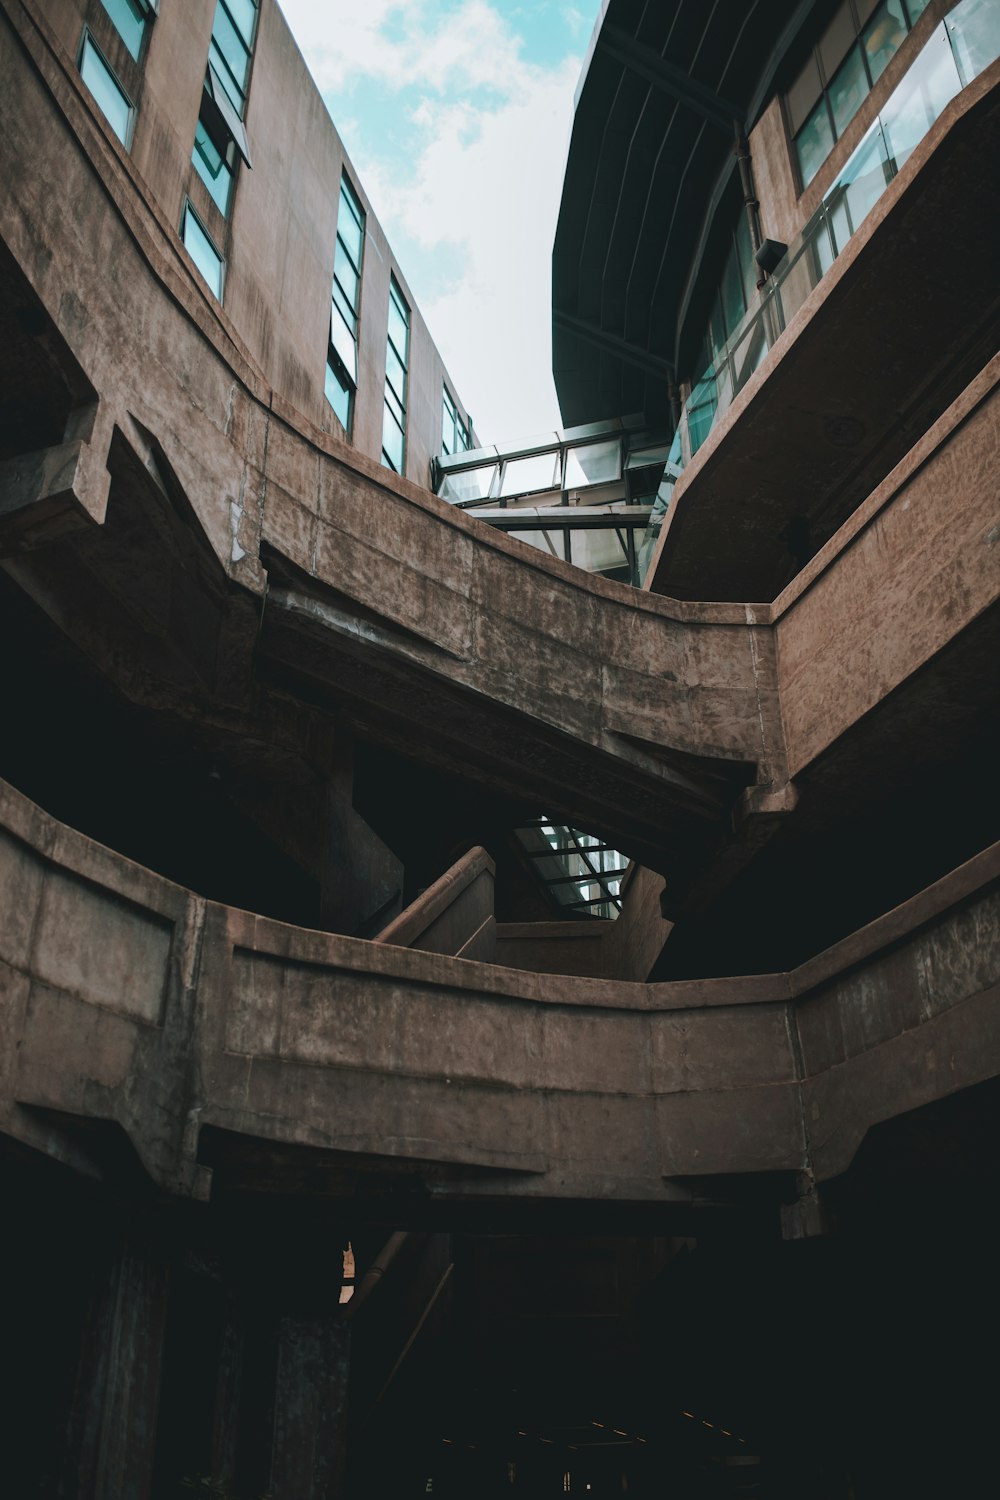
(342, 353)
(214, 159)
(851, 57)
(114, 102)
(130, 17)
(231, 48)
(202, 251)
(397, 354)
(455, 435)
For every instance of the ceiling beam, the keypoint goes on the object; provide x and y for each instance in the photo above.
(642, 359)
(668, 78)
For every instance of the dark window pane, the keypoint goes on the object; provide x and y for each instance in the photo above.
(883, 36)
(848, 91)
(836, 40)
(733, 306)
(814, 142)
(803, 94)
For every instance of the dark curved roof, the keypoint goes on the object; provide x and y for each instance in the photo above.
(666, 86)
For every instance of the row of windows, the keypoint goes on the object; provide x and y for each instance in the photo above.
(848, 61)
(220, 140)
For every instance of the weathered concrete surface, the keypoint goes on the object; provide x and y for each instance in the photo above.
(557, 1086)
(357, 592)
(914, 565)
(454, 915)
(625, 948)
(815, 430)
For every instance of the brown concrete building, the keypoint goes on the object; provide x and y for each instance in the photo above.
(299, 760)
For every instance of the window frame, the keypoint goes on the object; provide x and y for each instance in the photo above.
(88, 39)
(401, 399)
(189, 208)
(348, 200)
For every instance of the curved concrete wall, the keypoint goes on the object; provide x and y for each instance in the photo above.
(127, 999)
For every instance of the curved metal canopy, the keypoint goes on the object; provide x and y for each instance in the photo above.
(667, 87)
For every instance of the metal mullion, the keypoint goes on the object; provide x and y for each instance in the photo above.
(564, 849)
(585, 879)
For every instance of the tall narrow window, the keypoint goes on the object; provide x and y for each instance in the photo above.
(231, 48)
(455, 435)
(130, 18)
(342, 353)
(114, 103)
(397, 355)
(202, 250)
(220, 136)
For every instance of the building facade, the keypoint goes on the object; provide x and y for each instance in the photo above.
(342, 1153)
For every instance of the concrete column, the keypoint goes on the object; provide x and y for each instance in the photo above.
(310, 1405)
(114, 1437)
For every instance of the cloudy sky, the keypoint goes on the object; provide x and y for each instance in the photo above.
(456, 114)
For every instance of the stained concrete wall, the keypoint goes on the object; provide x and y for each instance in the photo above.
(280, 239)
(125, 999)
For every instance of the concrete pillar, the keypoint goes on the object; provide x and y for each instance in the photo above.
(114, 1422)
(310, 1404)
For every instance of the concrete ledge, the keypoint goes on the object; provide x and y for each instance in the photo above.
(568, 1086)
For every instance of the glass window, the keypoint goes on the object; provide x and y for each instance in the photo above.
(130, 22)
(470, 484)
(212, 167)
(202, 251)
(597, 463)
(102, 83)
(851, 56)
(538, 472)
(397, 355)
(803, 94)
(342, 340)
(342, 355)
(230, 48)
(848, 90)
(339, 393)
(883, 36)
(814, 142)
(455, 435)
(392, 442)
(836, 40)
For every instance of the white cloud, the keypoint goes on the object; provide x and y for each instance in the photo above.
(480, 187)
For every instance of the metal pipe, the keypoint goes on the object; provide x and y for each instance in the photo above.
(376, 1271)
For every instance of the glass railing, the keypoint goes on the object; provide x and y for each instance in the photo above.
(583, 494)
(965, 43)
